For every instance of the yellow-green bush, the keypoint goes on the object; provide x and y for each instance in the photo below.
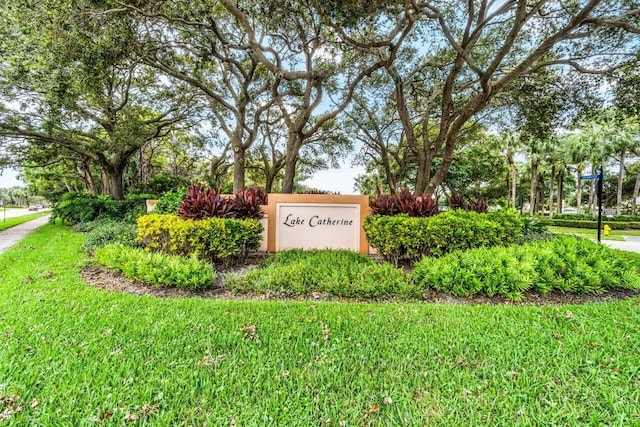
(218, 240)
(397, 236)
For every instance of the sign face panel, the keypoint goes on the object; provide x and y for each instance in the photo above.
(592, 176)
(317, 226)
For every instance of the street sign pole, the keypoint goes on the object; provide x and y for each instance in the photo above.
(599, 191)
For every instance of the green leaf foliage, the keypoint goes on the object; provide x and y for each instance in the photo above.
(339, 273)
(218, 240)
(563, 264)
(156, 268)
(102, 232)
(170, 201)
(77, 208)
(398, 236)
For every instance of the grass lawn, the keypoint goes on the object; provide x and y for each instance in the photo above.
(592, 234)
(73, 355)
(12, 222)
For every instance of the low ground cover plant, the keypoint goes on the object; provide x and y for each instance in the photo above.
(339, 273)
(563, 264)
(395, 237)
(105, 231)
(217, 240)
(156, 268)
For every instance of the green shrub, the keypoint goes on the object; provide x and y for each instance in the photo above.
(533, 231)
(218, 240)
(77, 208)
(615, 225)
(339, 273)
(397, 236)
(170, 201)
(594, 217)
(563, 264)
(107, 231)
(156, 269)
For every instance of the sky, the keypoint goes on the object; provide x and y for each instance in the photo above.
(337, 180)
(9, 178)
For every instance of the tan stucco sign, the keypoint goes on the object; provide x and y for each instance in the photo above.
(316, 221)
(317, 226)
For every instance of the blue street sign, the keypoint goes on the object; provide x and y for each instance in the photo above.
(592, 176)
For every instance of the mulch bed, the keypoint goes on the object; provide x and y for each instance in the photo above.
(108, 280)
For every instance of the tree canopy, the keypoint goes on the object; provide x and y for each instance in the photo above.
(287, 86)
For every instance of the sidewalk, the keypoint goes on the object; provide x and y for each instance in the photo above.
(13, 235)
(629, 245)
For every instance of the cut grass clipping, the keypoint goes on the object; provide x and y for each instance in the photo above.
(156, 268)
(339, 273)
(563, 264)
(73, 355)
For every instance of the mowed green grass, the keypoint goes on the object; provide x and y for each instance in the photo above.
(12, 222)
(592, 234)
(74, 355)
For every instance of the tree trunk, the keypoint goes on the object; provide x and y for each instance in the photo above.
(636, 190)
(269, 180)
(421, 176)
(579, 191)
(534, 187)
(514, 180)
(289, 174)
(620, 174)
(106, 184)
(144, 165)
(238, 168)
(89, 183)
(551, 181)
(560, 192)
(115, 181)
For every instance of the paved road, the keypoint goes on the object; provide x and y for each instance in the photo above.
(13, 212)
(13, 235)
(631, 244)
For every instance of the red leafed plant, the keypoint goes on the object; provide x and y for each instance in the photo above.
(456, 201)
(247, 204)
(202, 203)
(479, 206)
(404, 202)
(425, 206)
(383, 205)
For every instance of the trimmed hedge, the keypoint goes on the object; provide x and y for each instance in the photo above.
(339, 273)
(594, 217)
(563, 264)
(398, 236)
(615, 225)
(156, 269)
(218, 240)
